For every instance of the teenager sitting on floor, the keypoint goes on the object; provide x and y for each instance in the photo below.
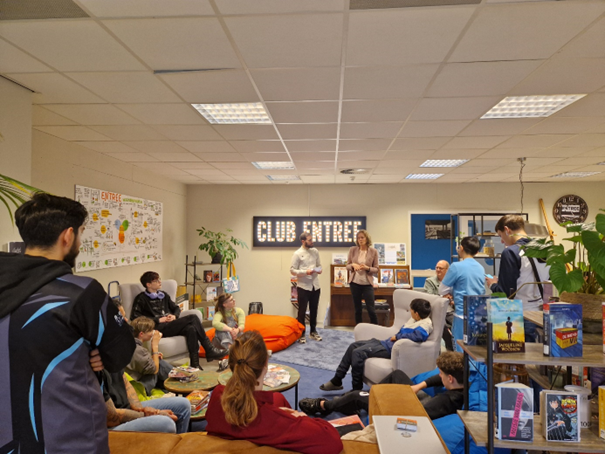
(416, 329)
(451, 372)
(228, 321)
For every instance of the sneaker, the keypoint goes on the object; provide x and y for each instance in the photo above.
(312, 406)
(223, 364)
(302, 340)
(329, 386)
(315, 335)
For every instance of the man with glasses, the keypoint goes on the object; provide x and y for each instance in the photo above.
(431, 286)
(158, 306)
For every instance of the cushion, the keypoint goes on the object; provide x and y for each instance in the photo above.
(278, 331)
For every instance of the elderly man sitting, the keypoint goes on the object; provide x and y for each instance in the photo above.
(431, 285)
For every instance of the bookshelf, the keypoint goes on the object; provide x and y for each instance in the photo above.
(198, 286)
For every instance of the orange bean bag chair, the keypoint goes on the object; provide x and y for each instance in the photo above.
(278, 331)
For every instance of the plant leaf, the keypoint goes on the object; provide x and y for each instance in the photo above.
(600, 223)
(574, 239)
(564, 281)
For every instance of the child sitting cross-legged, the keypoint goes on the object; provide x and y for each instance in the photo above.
(416, 329)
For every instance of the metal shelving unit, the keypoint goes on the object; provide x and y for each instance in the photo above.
(191, 270)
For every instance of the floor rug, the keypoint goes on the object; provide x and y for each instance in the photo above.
(321, 355)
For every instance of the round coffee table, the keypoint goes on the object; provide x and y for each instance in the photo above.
(224, 377)
(206, 380)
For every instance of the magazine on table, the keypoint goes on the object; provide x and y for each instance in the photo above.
(276, 376)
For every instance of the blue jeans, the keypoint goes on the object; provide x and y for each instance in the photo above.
(531, 334)
(160, 423)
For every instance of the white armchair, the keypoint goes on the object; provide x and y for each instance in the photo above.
(411, 357)
(174, 349)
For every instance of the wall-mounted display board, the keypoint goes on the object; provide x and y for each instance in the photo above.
(121, 230)
(327, 231)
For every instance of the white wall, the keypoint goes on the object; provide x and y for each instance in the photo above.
(264, 273)
(15, 146)
(59, 165)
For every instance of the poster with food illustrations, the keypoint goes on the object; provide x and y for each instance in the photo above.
(121, 230)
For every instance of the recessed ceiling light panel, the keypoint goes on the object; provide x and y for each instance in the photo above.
(283, 177)
(233, 114)
(530, 106)
(282, 165)
(423, 176)
(574, 174)
(443, 162)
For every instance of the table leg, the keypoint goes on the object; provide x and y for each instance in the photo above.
(296, 397)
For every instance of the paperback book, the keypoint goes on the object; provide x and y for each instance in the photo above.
(210, 312)
(340, 275)
(210, 294)
(199, 400)
(507, 321)
(562, 329)
(208, 276)
(514, 412)
(560, 415)
(602, 412)
(475, 319)
(386, 276)
(402, 277)
(347, 424)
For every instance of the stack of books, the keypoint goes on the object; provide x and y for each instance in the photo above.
(198, 400)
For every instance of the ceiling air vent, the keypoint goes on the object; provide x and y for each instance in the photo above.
(39, 9)
(354, 171)
(384, 4)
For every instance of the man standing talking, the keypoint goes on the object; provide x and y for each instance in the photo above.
(306, 266)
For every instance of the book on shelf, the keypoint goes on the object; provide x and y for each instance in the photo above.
(210, 312)
(216, 276)
(386, 276)
(508, 324)
(560, 415)
(562, 329)
(514, 412)
(475, 319)
(208, 276)
(602, 412)
(182, 302)
(204, 311)
(210, 294)
(340, 275)
(402, 277)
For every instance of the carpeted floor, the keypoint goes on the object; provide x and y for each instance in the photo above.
(321, 355)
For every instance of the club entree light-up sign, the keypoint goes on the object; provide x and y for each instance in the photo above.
(327, 231)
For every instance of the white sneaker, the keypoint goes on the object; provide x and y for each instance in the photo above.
(302, 340)
(315, 335)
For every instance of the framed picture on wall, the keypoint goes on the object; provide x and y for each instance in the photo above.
(402, 277)
(386, 276)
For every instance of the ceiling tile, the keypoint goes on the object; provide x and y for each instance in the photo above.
(244, 132)
(255, 157)
(407, 35)
(385, 179)
(164, 114)
(130, 132)
(192, 165)
(236, 166)
(457, 154)
(557, 152)
(16, 61)
(369, 130)
(298, 84)
(377, 111)
(499, 127)
(54, 88)
(476, 142)
(72, 132)
(564, 125)
(307, 165)
(313, 156)
(419, 143)
(93, 114)
(353, 164)
(590, 106)
(595, 152)
(584, 140)
(251, 146)
(188, 132)
(453, 108)
(363, 144)
(480, 78)
(536, 140)
(160, 168)
(303, 112)
(212, 146)
(515, 153)
(311, 145)
(308, 131)
(156, 146)
(584, 46)
(540, 29)
(70, 45)
(147, 8)
(493, 162)
(126, 87)
(173, 44)
(43, 117)
(387, 82)
(304, 39)
(213, 86)
(131, 157)
(220, 157)
(174, 157)
(108, 147)
(474, 170)
(277, 6)
(360, 155)
(531, 163)
(416, 157)
(433, 128)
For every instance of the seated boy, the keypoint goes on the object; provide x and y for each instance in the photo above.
(416, 329)
(148, 368)
(451, 376)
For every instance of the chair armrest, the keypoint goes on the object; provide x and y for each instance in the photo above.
(365, 331)
(394, 400)
(195, 312)
(413, 357)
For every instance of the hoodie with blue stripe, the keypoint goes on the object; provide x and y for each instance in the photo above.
(416, 331)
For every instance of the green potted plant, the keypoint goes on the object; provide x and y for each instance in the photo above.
(220, 246)
(13, 192)
(579, 272)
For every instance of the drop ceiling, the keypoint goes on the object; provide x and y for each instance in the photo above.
(382, 89)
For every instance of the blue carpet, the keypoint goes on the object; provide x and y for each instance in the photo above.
(321, 355)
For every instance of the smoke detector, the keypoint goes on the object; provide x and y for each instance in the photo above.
(354, 171)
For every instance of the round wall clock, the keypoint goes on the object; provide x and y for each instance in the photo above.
(570, 208)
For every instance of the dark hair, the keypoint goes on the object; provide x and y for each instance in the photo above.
(44, 217)
(142, 325)
(148, 277)
(303, 236)
(470, 245)
(423, 307)
(512, 221)
(452, 363)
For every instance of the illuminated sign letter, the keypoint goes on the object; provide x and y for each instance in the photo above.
(347, 231)
(306, 226)
(317, 234)
(269, 228)
(337, 232)
(262, 225)
(327, 225)
(280, 231)
(355, 229)
(290, 231)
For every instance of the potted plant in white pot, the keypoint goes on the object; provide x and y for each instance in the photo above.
(220, 246)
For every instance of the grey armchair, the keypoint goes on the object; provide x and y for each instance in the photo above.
(411, 357)
(174, 349)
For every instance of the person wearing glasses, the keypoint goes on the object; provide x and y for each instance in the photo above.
(158, 306)
(431, 286)
(228, 321)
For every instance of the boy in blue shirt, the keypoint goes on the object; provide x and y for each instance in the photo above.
(466, 277)
(416, 329)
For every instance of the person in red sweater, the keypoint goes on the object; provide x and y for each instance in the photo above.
(242, 411)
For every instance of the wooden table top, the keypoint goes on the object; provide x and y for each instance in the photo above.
(294, 378)
(206, 381)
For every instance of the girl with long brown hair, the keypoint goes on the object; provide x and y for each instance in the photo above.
(228, 320)
(241, 410)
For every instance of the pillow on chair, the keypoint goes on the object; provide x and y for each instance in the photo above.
(278, 331)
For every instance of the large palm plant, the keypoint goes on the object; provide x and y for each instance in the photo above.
(14, 192)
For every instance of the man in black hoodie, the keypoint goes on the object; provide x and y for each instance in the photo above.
(50, 323)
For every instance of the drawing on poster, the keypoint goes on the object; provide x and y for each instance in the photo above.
(120, 230)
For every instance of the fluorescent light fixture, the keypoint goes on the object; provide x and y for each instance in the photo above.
(530, 106)
(282, 165)
(233, 114)
(423, 176)
(283, 177)
(574, 174)
(443, 162)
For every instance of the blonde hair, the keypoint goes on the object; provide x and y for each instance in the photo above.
(220, 305)
(366, 234)
(247, 359)
(142, 325)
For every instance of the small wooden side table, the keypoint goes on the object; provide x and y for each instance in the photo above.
(206, 381)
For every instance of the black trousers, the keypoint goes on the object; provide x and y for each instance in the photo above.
(353, 402)
(355, 358)
(190, 327)
(366, 292)
(308, 298)
(447, 333)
